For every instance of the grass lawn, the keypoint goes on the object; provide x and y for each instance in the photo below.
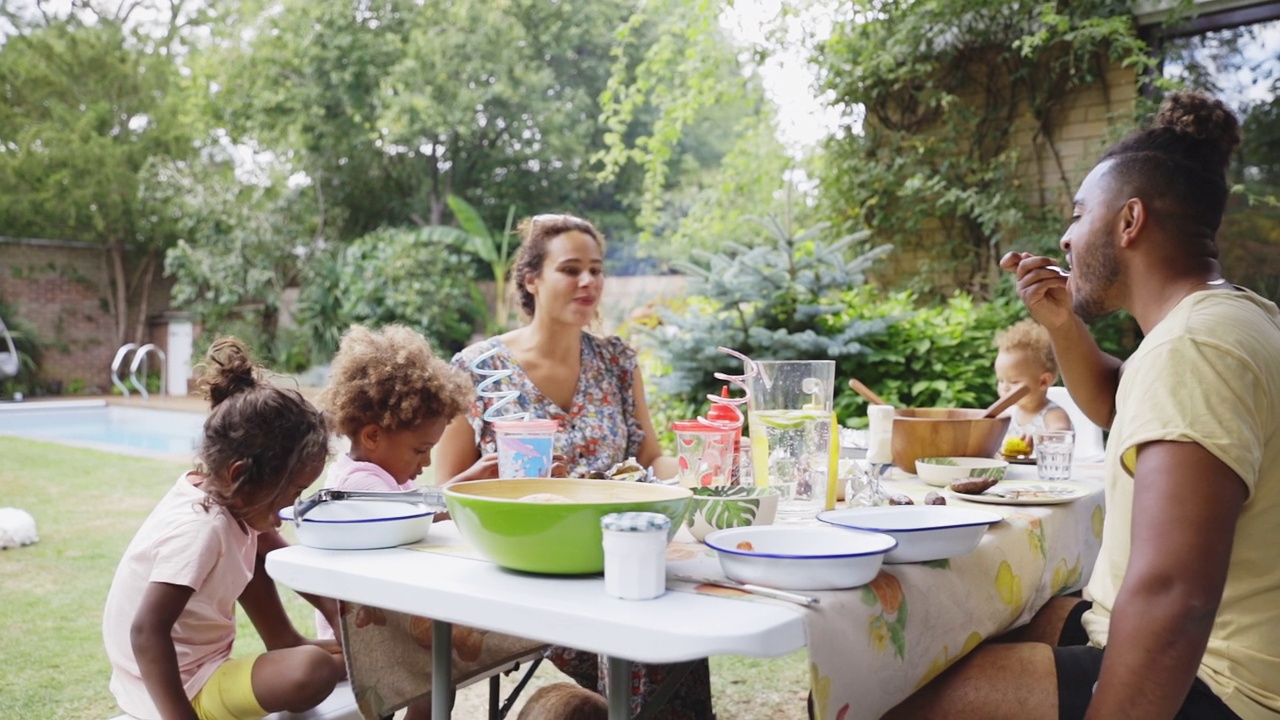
(88, 504)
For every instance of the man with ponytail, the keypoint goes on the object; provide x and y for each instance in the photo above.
(1181, 617)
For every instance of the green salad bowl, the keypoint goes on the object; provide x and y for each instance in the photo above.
(552, 525)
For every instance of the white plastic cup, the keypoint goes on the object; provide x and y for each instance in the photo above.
(635, 554)
(1053, 454)
(525, 447)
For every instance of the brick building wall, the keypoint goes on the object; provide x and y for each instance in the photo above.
(59, 288)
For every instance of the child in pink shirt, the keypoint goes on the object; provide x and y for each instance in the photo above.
(392, 398)
(169, 621)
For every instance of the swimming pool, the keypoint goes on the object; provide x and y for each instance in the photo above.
(95, 424)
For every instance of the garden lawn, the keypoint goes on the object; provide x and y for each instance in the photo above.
(87, 506)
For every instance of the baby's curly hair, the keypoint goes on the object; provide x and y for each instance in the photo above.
(392, 379)
(1030, 337)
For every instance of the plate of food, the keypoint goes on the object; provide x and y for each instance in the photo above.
(1019, 493)
(1018, 451)
(1017, 459)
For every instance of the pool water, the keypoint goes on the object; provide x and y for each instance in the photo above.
(98, 425)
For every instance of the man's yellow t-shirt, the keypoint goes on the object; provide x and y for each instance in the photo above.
(1209, 373)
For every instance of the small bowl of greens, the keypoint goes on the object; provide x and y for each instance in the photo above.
(720, 507)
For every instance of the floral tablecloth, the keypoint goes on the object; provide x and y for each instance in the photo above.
(871, 647)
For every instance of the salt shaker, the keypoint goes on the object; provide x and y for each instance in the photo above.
(635, 554)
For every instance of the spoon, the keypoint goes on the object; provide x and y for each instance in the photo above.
(1006, 402)
(866, 392)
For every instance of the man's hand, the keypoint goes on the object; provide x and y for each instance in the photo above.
(1043, 289)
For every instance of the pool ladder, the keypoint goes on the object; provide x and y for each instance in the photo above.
(139, 355)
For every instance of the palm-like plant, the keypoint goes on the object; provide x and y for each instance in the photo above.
(493, 248)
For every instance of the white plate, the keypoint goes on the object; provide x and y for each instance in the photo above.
(361, 524)
(1027, 493)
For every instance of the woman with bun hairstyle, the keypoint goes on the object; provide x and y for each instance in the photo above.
(1183, 612)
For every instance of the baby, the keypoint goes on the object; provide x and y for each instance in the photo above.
(1025, 357)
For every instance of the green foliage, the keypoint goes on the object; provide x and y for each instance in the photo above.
(935, 170)
(495, 249)
(240, 243)
(771, 301)
(30, 349)
(85, 110)
(938, 355)
(418, 277)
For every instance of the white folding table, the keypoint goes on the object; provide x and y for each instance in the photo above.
(568, 611)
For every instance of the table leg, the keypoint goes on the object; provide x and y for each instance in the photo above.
(619, 688)
(441, 670)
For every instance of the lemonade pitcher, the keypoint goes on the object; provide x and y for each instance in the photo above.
(794, 446)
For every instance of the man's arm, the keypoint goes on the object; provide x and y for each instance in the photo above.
(1091, 375)
(1185, 506)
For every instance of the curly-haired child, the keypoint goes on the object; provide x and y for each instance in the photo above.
(169, 621)
(1025, 356)
(392, 398)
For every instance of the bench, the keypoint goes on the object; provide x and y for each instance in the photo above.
(341, 703)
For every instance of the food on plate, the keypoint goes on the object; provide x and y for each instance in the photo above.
(745, 545)
(933, 498)
(973, 486)
(629, 470)
(895, 499)
(545, 498)
(1015, 447)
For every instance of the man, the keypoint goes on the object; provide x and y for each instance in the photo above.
(1185, 596)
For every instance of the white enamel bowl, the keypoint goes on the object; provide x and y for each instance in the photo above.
(800, 558)
(942, 471)
(923, 532)
(361, 524)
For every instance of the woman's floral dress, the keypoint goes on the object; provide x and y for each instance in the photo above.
(599, 430)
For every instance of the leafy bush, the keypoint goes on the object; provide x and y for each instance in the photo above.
(417, 277)
(940, 355)
(772, 301)
(29, 349)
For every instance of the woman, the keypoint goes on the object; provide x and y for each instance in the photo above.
(591, 385)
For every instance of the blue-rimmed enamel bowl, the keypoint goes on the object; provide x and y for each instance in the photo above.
(799, 557)
(923, 532)
(361, 524)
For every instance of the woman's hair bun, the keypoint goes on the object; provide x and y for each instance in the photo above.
(228, 370)
(1204, 118)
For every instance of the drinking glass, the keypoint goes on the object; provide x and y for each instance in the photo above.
(704, 453)
(1053, 454)
(525, 447)
(794, 445)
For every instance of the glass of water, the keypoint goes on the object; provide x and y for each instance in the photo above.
(1053, 454)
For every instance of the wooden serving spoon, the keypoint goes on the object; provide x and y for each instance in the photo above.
(867, 393)
(1006, 402)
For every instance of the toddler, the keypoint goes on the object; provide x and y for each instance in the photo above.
(1025, 357)
(392, 398)
(169, 621)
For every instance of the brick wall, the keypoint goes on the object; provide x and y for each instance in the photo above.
(59, 288)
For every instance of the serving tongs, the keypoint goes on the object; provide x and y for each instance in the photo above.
(432, 497)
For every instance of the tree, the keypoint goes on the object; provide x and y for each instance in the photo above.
(84, 111)
(775, 299)
(392, 106)
(936, 87)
